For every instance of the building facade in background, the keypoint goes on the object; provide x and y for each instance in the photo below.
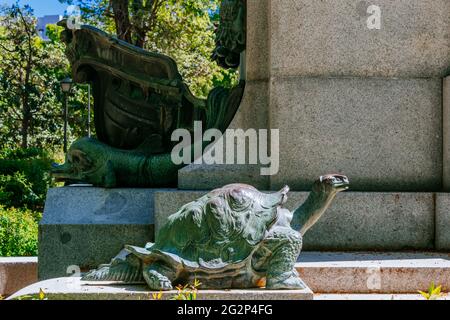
(44, 21)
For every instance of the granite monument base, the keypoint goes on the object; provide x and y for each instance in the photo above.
(83, 227)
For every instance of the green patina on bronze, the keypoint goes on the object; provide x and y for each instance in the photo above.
(232, 238)
(140, 99)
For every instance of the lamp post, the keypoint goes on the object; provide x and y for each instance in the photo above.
(66, 87)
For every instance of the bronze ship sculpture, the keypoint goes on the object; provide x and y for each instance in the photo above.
(139, 100)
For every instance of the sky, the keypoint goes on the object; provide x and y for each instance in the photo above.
(41, 7)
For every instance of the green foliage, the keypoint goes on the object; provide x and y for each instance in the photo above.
(18, 232)
(30, 96)
(433, 293)
(24, 178)
(157, 296)
(185, 31)
(181, 29)
(41, 296)
(187, 292)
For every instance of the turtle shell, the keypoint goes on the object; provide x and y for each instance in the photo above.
(219, 231)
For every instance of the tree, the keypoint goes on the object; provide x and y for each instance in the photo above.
(136, 19)
(30, 95)
(182, 29)
(20, 56)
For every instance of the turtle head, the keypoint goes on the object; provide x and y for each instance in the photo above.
(331, 184)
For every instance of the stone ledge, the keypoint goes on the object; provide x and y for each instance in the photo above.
(74, 289)
(17, 273)
(326, 272)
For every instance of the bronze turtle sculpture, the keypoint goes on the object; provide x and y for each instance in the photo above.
(234, 237)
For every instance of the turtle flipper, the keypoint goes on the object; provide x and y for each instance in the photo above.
(126, 268)
(157, 281)
(159, 277)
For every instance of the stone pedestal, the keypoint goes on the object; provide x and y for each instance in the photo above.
(84, 227)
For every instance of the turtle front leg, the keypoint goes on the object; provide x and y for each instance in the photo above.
(159, 277)
(281, 249)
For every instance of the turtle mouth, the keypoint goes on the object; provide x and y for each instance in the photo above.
(342, 184)
(284, 195)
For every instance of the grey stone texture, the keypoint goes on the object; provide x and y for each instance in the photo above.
(443, 221)
(355, 221)
(331, 38)
(84, 227)
(17, 273)
(258, 41)
(201, 177)
(74, 289)
(446, 134)
(384, 134)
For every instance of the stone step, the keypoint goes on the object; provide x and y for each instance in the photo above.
(16, 273)
(370, 297)
(381, 273)
(330, 275)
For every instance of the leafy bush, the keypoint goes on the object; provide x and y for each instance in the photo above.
(18, 232)
(24, 181)
(16, 191)
(24, 178)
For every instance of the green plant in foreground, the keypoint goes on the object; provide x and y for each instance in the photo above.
(187, 292)
(18, 232)
(41, 296)
(433, 292)
(157, 296)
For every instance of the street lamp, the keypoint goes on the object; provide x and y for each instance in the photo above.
(66, 87)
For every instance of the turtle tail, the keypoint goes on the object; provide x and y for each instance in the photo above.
(125, 271)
